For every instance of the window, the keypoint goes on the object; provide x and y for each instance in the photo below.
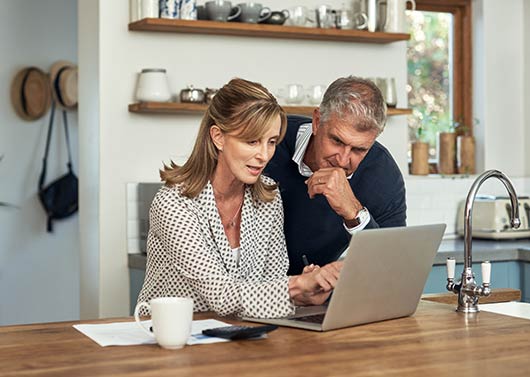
(439, 69)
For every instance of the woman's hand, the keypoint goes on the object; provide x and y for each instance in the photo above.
(310, 268)
(311, 299)
(315, 283)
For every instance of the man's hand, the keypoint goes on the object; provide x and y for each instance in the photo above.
(315, 284)
(333, 184)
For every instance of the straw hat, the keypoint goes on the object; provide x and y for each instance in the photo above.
(31, 93)
(63, 78)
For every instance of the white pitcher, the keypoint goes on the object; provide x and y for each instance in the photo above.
(395, 15)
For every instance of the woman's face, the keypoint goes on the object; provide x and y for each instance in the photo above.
(245, 160)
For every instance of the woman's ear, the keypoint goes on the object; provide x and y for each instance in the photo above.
(217, 136)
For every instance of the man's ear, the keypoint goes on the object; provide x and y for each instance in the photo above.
(217, 136)
(316, 120)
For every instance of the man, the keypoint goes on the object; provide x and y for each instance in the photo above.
(334, 178)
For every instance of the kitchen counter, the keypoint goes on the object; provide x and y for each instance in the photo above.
(435, 341)
(481, 250)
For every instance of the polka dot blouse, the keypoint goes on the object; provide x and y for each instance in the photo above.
(188, 255)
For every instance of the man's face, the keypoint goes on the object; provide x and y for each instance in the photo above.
(336, 143)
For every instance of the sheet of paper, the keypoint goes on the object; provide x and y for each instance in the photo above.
(128, 333)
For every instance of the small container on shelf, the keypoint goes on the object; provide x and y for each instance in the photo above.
(153, 86)
(192, 95)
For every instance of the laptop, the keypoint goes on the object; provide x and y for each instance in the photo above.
(383, 277)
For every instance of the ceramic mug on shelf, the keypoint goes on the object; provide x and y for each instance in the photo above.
(171, 319)
(221, 10)
(153, 86)
(170, 9)
(188, 9)
(278, 17)
(254, 12)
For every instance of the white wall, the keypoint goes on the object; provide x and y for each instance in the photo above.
(38, 271)
(500, 86)
(89, 159)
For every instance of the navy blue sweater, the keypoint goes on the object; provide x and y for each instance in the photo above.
(311, 227)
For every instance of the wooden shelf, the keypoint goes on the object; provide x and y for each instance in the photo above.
(262, 30)
(198, 108)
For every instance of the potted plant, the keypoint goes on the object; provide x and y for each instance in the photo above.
(465, 147)
(420, 154)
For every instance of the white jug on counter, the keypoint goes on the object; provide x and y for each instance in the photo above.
(395, 15)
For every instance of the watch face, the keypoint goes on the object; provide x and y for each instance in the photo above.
(362, 215)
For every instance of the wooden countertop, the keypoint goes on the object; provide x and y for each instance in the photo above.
(436, 341)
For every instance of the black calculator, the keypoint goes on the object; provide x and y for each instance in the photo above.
(239, 332)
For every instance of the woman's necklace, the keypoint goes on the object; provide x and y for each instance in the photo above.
(233, 220)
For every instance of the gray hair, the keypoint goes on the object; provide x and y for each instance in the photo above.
(357, 98)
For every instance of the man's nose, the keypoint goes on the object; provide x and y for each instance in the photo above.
(343, 158)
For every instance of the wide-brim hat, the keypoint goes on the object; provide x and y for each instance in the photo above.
(31, 93)
(63, 79)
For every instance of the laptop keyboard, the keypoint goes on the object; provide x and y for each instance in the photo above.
(316, 318)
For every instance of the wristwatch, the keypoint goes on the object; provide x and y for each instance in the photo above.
(362, 215)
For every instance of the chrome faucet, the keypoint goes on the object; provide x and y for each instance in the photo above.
(467, 289)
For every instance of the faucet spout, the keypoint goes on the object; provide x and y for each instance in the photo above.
(514, 218)
(467, 289)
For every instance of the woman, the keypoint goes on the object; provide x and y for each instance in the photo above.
(216, 227)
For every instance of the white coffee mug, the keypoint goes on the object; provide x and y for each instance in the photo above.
(171, 320)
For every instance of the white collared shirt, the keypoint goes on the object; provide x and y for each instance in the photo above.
(302, 141)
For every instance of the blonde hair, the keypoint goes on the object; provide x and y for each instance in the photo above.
(241, 107)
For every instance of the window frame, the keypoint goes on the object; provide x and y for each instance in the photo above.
(462, 57)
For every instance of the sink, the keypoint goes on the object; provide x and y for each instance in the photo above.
(513, 308)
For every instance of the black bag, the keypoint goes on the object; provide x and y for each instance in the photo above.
(59, 198)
